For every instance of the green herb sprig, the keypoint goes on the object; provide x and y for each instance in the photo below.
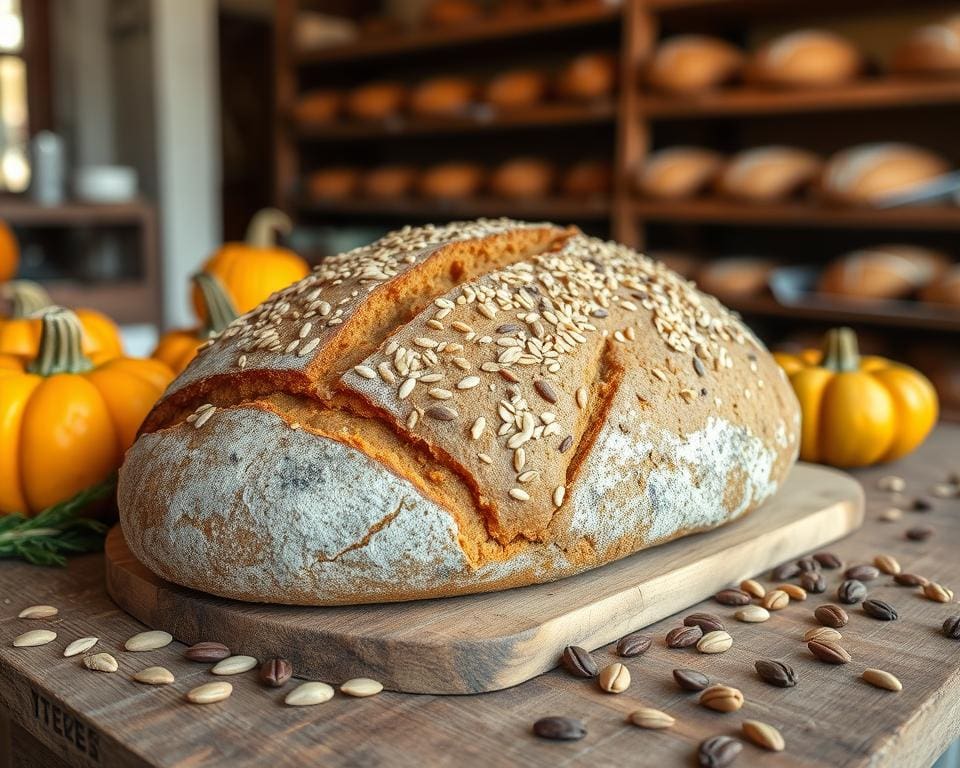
(57, 531)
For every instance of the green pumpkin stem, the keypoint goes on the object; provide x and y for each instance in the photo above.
(220, 309)
(263, 227)
(841, 352)
(26, 297)
(60, 345)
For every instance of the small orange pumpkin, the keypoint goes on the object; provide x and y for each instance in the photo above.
(252, 270)
(858, 410)
(177, 348)
(64, 422)
(9, 253)
(20, 333)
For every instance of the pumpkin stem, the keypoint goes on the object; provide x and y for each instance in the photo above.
(220, 310)
(26, 297)
(60, 345)
(840, 350)
(263, 227)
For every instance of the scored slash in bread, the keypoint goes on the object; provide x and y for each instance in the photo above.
(455, 409)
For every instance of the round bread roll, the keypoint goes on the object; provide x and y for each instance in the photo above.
(588, 77)
(931, 50)
(737, 277)
(523, 177)
(452, 180)
(882, 272)
(442, 96)
(452, 13)
(516, 89)
(377, 101)
(867, 173)
(333, 183)
(683, 263)
(768, 174)
(389, 181)
(588, 178)
(676, 173)
(944, 288)
(807, 58)
(320, 106)
(689, 64)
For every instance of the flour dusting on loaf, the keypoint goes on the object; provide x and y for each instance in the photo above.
(455, 409)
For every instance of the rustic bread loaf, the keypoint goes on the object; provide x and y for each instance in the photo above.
(806, 58)
(865, 174)
(736, 277)
(769, 174)
(455, 409)
(932, 50)
(677, 173)
(691, 64)
(944, 288)
(883, 271)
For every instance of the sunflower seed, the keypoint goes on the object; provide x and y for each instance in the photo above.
(38, 612)
(101, 662)
(151, 640)
(210, 693)
(308, 694)
(154, 676)
(234, 665)
(361, 687)
(80, 645)
(34, 638)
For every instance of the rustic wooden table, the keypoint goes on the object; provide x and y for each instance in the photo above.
(58, 713)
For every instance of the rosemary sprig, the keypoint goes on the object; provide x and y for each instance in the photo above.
(58, 530)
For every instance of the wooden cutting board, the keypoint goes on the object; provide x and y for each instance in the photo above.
(496, 640)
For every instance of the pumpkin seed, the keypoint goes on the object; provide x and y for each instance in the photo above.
(361, 687)
(308, 694)
(34, 638)
(38, 612)
(154, 676)
(234, 665)
(151, 640)
(81, 645)
(101, 662)
(210, 693)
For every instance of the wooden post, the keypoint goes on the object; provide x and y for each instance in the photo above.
(285, 154)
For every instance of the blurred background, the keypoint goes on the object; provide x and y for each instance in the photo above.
(796, 157)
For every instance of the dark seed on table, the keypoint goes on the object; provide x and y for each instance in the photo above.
(921, 505)
(919, 533)
(828, 560)
(951, 628)
(684, 637)
(206, 652)
(851, 591)
(690, 679)
(880, 610)
(708, 622)
(776, 673)
(829, 651)
(831, 616)
(560, 728)
(275, 672)
(718, 751)
(910, 580)
(633, 645)
(732, 597)
(784, 572)
(862, 572)
(813, 582)
(806, 564)
(578, 662)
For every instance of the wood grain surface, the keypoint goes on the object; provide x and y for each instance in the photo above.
(491, 641)
(831, 718)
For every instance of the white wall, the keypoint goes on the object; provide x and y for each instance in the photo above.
(188, 147)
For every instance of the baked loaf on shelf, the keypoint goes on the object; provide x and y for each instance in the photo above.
(455, 409)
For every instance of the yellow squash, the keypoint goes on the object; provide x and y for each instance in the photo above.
(20, 333)
(252, 270)
(64, 422)
(9, 253)
(858, 410)
(178, 348)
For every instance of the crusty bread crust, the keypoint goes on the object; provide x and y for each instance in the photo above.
(496, 405)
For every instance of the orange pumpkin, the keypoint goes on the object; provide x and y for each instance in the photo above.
(252, 270)
(858, 410)
(64, 422)
(20, 333)
(9, 253)
(178, 348)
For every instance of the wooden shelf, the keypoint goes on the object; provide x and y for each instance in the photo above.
(881, 93)
(916, 315)
(576, 15)
(28, 213)
(479, 119)
(554, 209)
(799, 214)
